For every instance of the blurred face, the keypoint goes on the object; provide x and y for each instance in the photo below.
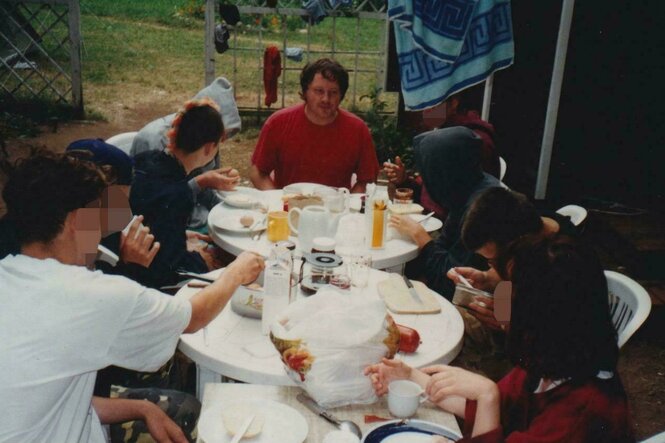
(115, 212)
(322, 100)
(88, 233)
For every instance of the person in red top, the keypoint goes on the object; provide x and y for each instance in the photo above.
(565, 386)
(316, 141)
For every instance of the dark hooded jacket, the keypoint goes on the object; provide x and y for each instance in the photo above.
(449, 161)
(161, 194)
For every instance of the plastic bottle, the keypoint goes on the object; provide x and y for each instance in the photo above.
(277, 285)
(377, 216)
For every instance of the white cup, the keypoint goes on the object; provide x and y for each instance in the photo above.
(404, 397)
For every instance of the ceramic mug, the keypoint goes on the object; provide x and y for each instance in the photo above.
(404, 397)
(278, 226)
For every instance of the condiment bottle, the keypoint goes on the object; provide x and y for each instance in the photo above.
(322, 245)
(377, 218)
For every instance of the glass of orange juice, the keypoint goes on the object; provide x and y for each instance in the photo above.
(278, 226)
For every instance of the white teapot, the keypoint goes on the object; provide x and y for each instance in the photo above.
(314, 221)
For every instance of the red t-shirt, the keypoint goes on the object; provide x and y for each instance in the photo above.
(301, 151)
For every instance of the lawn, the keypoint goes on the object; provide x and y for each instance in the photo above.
(156, 47)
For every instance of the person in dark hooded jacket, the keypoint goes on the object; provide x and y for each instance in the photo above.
(449, 161)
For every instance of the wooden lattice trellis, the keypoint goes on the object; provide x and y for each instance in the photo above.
(40, 50)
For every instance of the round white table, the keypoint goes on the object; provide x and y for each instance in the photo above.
(233, 346)
(393, 256)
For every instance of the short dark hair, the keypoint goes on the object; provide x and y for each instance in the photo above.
(560, 324)
(44, 187)
(499, 215)
(330, 69)
(197, 125)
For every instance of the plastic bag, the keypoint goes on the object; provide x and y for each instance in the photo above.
(326, 341)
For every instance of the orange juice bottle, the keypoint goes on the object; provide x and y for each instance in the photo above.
(379, 205)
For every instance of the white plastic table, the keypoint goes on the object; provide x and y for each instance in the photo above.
(393, 256)
(219, 349)
(219, 395)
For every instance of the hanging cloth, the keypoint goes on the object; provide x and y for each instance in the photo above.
(445, 46)
(316, 11)
(272, 69)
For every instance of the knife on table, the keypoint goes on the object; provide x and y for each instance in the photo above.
(412, 290)
(243, 429)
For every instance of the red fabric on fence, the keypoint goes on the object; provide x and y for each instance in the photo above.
(272, 69)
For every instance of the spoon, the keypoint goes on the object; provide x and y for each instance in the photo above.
(344, 425)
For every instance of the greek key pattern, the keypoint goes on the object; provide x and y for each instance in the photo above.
(486, 31)
(448, 18)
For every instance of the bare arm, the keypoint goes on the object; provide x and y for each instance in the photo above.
(359, 188)
(260, 180)
(119, 410)
(210, 301)
(388, 370)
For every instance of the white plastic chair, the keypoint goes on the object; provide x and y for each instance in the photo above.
(503, 167)
(123, 141)
(630, 305)
(576, 213)
(658, 438)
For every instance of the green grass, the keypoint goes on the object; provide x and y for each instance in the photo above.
(133, 48)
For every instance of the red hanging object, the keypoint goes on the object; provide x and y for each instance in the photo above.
(272, 69)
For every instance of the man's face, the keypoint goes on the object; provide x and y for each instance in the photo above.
(322, 98)
(115, 210)
(88, 233)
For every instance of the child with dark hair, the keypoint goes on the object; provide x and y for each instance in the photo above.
(166, 185)
(564, 386)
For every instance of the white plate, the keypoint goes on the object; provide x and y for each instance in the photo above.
(408, 431)
(240, 200)
(283, 424)
(305, 188)
(431, 224)
(238, 189)
(230, 222)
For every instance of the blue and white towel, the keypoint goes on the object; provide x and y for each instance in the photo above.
(445, 46)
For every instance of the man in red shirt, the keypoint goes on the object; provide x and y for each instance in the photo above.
(316, 141)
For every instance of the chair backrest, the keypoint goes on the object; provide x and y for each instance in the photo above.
(658, 438)
(630, 304)
(123, 141)
(576, 213)
(503, 167)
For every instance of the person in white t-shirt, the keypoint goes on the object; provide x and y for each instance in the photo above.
(61, 322)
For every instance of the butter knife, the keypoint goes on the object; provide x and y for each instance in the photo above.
(412, 290)
(243, 429)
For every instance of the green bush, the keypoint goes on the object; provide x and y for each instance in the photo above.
(389, 139)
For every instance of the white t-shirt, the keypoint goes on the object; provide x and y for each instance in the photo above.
(59, 324)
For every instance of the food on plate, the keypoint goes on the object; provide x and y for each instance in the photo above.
(246, 220)
(411, 208)
(239, 199)
(234, 417)
(409, 339)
